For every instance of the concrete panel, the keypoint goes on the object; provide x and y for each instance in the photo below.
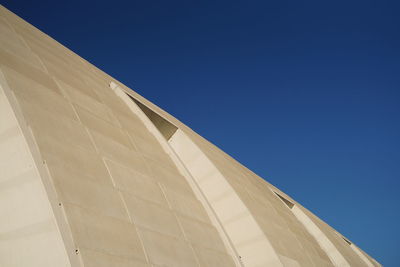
(152, 216)
(105, 234)
(152, 149)
(212, 258)
(118, 152)
(186, 205)
(88, 162)
(32, 92)
(133, 125)
(105, 128)
(87, 193)
(202, 234)
(63, 130)
(83, 96)
(169, 177)
(19, 65)
(164, 250)
(132, 182)
(92, 258)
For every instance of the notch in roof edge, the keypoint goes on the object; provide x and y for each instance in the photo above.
(166, 128)
(287, 202)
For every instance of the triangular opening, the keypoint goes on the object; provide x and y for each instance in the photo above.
(347, 241)
(287, 202)
(166, 128)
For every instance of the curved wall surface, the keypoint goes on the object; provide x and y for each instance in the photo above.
(94, 175)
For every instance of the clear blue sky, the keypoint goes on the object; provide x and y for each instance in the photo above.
(304, 93)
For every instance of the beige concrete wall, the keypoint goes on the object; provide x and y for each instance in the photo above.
(239, 224)
(29, 234)
(126, 203)
(349, 252)
(294, 243)
(117, 193)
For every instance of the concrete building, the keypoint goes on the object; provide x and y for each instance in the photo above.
(92, 174)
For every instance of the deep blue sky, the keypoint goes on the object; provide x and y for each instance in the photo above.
(304, 93)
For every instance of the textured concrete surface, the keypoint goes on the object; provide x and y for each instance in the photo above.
(92, 174)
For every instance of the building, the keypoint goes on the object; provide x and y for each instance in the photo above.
(92, 174)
